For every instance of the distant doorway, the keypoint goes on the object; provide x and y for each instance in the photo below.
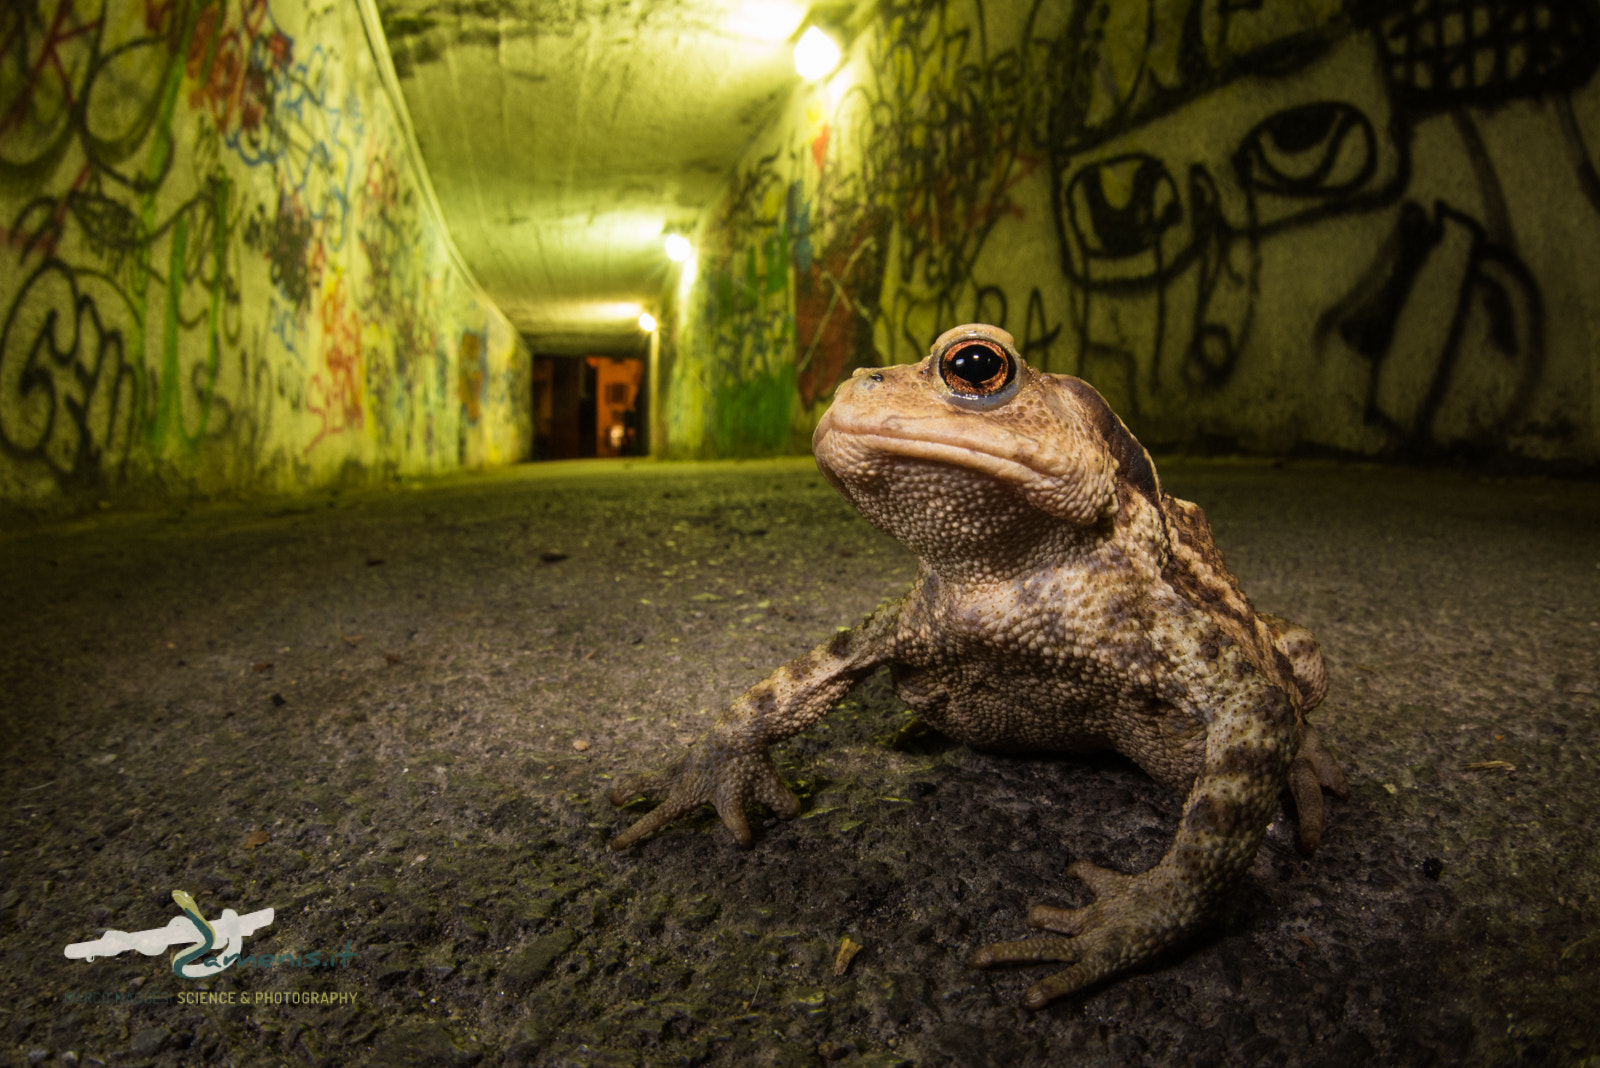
(588, 406)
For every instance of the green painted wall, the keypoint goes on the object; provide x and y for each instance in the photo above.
(219, 269)
(1365, 227)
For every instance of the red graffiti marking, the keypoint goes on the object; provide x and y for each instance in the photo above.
(469, 376)
(819, 146)
(44, 238)
(383, 179)
(60, 33)
(336, 395)
(378, 236)
(231, 66)
(947, 213)
(157, 15)
(281, 49)
(827, 321)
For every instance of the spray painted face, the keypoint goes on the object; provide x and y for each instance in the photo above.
(1160, 226)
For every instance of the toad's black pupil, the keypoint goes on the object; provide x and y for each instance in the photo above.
(977, 365)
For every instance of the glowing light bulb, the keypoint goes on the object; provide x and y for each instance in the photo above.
(647, 322)
(815, 55)
(678, 248)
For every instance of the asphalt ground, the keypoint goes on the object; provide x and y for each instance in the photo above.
(392, 717)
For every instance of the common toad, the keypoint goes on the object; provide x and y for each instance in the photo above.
(1063, 602)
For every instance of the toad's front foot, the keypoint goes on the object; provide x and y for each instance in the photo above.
(1132, 918)
(717, 771)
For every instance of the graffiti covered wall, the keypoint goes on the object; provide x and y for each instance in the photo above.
(218, 270)
(1371, 226)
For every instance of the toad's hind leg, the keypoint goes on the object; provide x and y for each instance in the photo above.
(1248, 749)
(1314, 768)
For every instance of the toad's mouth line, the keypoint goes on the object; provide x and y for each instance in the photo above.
(952, 453)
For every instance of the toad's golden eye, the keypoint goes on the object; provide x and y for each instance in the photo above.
(974, 368)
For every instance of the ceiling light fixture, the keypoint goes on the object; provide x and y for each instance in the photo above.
(678, 248)
(647, 322)
(815, 55)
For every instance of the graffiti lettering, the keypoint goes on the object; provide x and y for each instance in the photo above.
(157, 159)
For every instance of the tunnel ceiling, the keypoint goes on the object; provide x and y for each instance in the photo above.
(565, 138)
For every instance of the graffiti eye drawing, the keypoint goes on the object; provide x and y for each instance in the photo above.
(1122, 209)
(1314, 150)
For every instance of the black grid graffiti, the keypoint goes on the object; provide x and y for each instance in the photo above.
(1446, 53)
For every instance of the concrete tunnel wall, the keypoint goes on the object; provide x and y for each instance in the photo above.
(1371, 228)
(222, 269)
